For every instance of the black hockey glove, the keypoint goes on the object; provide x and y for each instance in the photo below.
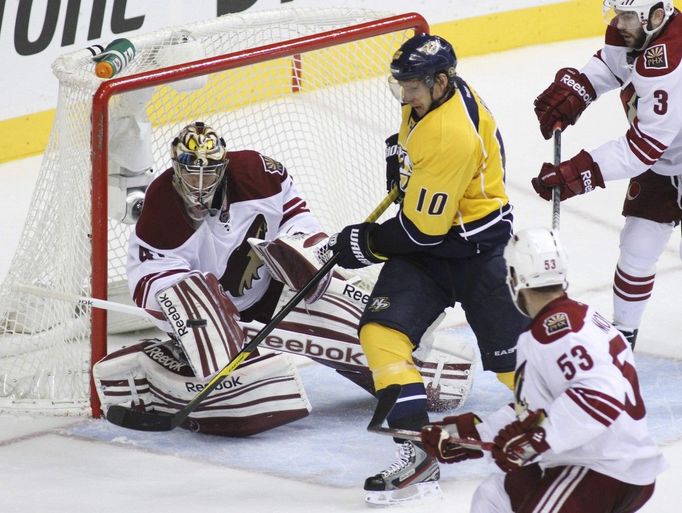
(353, 247)
(393, 166)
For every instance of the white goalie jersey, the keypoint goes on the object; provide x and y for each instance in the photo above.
(165, 246)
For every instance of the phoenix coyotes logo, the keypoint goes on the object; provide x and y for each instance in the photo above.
(656, 57)
(243, 264)
(556, 322)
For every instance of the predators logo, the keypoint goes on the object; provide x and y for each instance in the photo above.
(556, 322)
(243, 264)
(272, 166)
(656, 57)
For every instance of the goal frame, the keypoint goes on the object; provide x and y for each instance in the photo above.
(100, 135)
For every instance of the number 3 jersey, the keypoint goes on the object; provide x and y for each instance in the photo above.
(575, 365)
(651, 92)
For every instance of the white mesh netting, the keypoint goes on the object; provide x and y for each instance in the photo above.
(324, 114)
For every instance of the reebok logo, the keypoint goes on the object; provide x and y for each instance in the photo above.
(587, 180)
(310, 348)
(226, 384)
(172, 313)
(355, 294)
(571, 83)
(160, 357)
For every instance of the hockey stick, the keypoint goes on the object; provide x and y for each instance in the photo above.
(83, 300)
(388, 398)
(556, 191)
(159, 421)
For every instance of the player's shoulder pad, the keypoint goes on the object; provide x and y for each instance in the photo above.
(163, 223)
(253, 176)
(665, 53)
(559, 318)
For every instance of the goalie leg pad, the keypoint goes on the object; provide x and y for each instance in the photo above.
(446, 365)
(265, 392)
(120, 378)
(204, 321)
(326, 332)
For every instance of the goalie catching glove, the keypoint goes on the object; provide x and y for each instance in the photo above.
(436, 436)
(353, 245)
(294, 260)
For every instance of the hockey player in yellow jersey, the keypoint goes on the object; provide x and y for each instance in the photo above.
(445, 246)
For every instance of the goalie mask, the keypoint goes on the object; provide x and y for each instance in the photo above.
(638, 21)
(534, 259)
(422, 57)
(199, 159)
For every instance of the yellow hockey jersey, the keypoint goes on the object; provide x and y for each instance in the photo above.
(452, 174)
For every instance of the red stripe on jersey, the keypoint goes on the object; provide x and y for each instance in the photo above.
(601, 407)
(644, 147)
(632, 288)
(300, 207)
(143, 285)
(289, 204)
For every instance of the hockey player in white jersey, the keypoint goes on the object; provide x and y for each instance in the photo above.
(576, 439)
(191, 264)
(641, 56)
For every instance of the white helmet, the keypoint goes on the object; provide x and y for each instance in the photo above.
(535, 258)
(642, 9)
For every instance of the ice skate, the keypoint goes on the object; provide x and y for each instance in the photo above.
(413, 476)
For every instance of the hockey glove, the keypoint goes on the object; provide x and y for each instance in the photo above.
(576, 176)
(352, 244)
(563, 101)
(435, 438)
(520, 442)
(393, 166)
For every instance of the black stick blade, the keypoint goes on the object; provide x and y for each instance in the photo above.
(139, 420)
(387, 399)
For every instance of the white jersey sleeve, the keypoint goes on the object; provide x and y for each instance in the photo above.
(606, 70)
(296, 217)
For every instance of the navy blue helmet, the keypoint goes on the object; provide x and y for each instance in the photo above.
(422, 57)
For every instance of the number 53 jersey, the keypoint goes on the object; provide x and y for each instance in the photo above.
(576, 366)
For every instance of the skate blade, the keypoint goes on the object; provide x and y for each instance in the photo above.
(420, 491)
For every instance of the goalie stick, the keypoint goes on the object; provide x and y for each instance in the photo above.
(388, 398)
(159, 421)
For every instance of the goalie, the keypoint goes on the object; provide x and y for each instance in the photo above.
(215, 229)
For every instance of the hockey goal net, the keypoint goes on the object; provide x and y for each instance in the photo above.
(307, 88)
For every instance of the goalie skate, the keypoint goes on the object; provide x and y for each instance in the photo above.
(413, 476)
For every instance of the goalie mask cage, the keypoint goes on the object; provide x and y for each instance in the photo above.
(306, 87)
